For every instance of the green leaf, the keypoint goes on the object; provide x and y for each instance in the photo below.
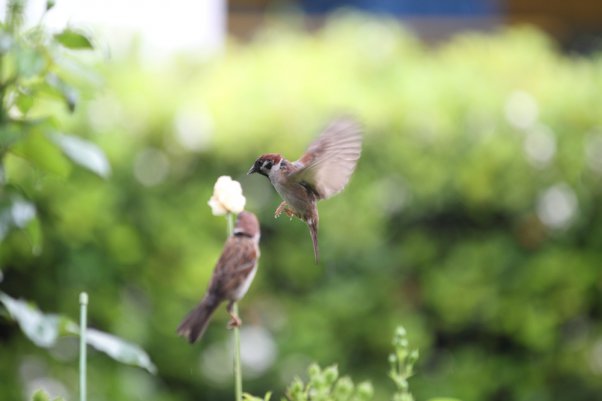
(42, 153)
(43, 330)
(6, 42)
(17, 212)
(249, 397)
(40, 395)
(29, 62)
(34, 234)
(364, 392)
(73, 40)
(22, 212)
(84, 153)
(5, 222)
(9, 134)
(24, 102)
(443, 399)
(57, 87)
(120, 350)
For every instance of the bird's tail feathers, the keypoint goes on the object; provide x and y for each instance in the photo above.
(313, 231)
(194, 324)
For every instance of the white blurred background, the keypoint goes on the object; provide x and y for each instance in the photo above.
(161, 27)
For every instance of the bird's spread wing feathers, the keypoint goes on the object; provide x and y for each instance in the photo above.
(330, 160)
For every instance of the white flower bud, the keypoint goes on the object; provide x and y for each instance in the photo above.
(227, 197)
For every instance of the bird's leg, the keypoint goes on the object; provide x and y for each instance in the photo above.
(280, 209)
(235, 320)
(284, 208)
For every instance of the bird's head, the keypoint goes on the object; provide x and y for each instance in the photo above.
(247, 225)
(264, 164)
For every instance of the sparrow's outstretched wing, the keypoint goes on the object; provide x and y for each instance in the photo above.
(330, 160)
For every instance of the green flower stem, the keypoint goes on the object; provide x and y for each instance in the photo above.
(83, 302)
(230, 224)
(237, 365)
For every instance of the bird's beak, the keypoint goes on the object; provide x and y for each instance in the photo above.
(253, 169)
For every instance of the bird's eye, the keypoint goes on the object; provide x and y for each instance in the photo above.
(268, 165)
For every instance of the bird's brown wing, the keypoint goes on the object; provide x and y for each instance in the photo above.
(330, 160)
(234, 265)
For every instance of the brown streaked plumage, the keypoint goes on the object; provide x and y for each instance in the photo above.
(231, 278)
(322, 172)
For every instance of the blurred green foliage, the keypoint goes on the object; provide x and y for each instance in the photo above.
(473, 218)
(326, 385)
(33, 63)
(46, 330)
(402, 362)
(41, 395)
(39, 74)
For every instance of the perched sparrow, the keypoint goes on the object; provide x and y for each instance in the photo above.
(322, 172)
(231, 279)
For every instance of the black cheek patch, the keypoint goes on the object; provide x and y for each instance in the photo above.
(259, 168)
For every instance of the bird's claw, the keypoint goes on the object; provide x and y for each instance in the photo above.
(234, 322)
(279, 210)
(284, 208)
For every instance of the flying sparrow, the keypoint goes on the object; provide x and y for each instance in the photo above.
(231, 278)
(322, 172)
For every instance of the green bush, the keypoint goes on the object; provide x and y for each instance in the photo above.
(473, 217)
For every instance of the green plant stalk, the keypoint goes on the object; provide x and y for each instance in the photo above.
(237, 365)
(83, 317)
(230, 224)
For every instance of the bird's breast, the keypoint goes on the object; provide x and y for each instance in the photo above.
(294, 195)
(242, 289)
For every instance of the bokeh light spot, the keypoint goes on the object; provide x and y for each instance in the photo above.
(521, 110)
(193, 130)
(216, 362)
(557, 206)
(593, 152)
(540, 146)
(258, 350)
(151, 167)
